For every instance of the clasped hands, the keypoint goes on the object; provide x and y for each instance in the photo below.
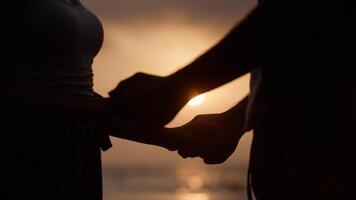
(144, 104)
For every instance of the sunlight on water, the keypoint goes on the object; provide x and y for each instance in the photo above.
(195, 182)
(193, 196)
(194, 179)
(185, 182)
(192, 187)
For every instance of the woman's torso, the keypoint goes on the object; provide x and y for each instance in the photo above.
(51, 46)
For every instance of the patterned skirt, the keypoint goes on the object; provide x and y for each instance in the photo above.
(54, 160)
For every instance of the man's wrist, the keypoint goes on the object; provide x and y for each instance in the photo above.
(180, 87)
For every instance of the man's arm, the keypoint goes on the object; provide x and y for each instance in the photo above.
(220, 133)
(266, 34)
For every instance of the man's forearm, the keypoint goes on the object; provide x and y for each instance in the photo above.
(236, 116)
(262, 37)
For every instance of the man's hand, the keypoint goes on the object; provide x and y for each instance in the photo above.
(212, 137)
(149, 100)
(220, 136)
(206, 136)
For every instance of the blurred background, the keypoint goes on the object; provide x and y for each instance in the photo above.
(159, 37)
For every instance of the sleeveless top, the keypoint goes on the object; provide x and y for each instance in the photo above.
(50, 46)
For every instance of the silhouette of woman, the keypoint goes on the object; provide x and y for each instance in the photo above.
(52, 114)
(54, 124)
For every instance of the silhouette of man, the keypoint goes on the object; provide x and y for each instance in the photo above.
(304, 138)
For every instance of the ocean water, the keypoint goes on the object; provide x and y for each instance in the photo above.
(175, 183)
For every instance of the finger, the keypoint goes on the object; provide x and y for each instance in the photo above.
(125, 85)
(182, 154)
(213, 161)
(170, 148)
(186, 154)
(120, 88)
(187, 144)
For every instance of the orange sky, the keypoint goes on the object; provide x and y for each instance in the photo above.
(160, 43)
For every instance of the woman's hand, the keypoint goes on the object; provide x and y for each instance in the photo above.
(212, 137)
(206, 136)
(163, 137)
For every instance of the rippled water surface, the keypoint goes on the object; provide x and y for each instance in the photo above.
(175, 183)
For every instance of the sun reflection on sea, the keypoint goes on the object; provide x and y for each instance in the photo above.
(193, 196)
(193, 184)
(190, 192)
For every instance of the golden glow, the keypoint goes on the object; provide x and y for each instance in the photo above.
(193, 196)
(160, 49)
(197, 100)
(195, 182)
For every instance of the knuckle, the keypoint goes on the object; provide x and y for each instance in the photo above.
(138, 74)
(121, 84)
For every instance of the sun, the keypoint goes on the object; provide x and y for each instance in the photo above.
(196, 100)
